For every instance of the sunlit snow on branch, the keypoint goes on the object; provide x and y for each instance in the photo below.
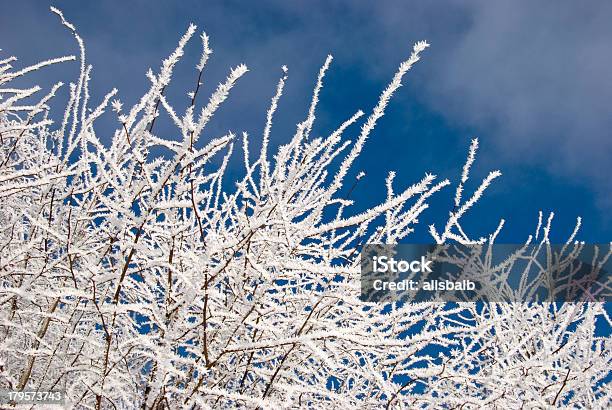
(136, 281)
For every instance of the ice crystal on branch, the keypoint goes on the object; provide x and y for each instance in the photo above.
(134, 281)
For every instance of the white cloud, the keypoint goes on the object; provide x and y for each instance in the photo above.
(537, 78)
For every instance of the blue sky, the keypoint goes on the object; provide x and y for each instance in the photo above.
(531, 80)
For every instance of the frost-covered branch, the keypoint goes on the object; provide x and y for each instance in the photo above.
(136, 280)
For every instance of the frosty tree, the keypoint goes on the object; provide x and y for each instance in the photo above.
(134, 280)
